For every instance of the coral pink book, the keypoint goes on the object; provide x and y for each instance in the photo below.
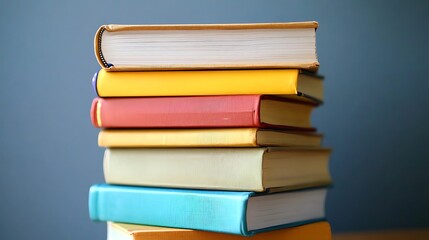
(259, 111)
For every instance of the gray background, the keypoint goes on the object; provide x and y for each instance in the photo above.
(374, 55)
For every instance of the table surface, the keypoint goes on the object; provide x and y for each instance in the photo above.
(416, 234)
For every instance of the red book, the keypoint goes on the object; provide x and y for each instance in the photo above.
(201, 112)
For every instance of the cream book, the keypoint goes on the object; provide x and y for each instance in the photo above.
(123, 231)
(208, 137)
(207, 46)
(238, 169)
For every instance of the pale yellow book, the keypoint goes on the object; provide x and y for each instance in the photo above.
(238, 169)
(122, 231)
(210, 137)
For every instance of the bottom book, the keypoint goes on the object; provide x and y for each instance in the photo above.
(122, 231)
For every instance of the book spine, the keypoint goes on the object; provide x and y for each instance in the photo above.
(176, 112)
(312, 231)
(97, 47)
(208, 137)
(196, 83)
(237, 169)
(94, 83)
(96, 120)
(193, 209)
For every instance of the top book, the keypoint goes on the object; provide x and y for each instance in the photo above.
(207, 46)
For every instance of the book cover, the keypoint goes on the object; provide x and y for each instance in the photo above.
(201, 112)
(206, 137)
(284, 82)
(257, 33)
(312, 231)
(238, 169)
(216, 211)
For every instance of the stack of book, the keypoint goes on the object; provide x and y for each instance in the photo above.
(207, 132)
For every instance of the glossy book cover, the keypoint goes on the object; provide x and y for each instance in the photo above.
(216, 211)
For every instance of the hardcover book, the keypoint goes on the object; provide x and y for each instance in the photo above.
(206, 137)
(239, 169)
(241, 213)
(207, 46)
(202, 112)
(123, 231)
(291, 83)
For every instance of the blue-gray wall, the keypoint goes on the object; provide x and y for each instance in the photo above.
(374, 55)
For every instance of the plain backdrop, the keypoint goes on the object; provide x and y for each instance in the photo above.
(374, 55)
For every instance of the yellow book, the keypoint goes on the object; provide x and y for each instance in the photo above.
(220, 137)
(121, 231)
(289, 82)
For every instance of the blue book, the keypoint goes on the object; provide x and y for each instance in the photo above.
(243, 213)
